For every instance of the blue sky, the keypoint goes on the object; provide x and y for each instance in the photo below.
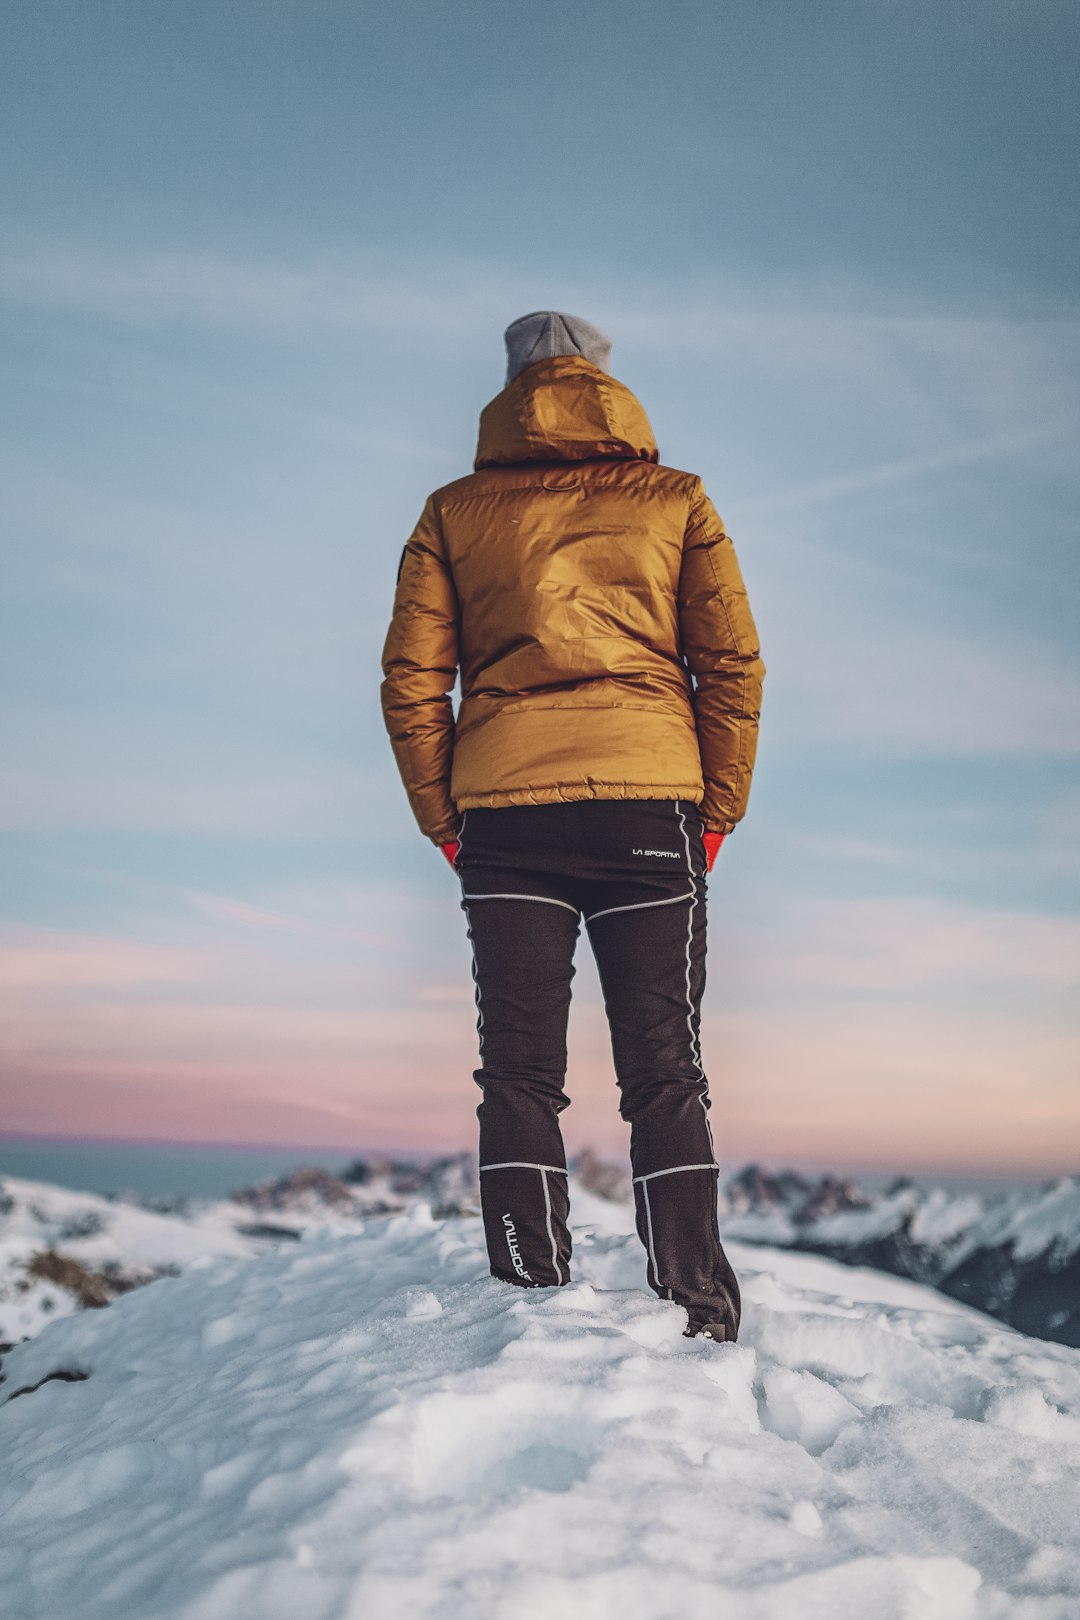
(254, 271)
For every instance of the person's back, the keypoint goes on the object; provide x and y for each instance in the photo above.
(611, 681)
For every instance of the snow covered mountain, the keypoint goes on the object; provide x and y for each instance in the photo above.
(1016, 1256)
(362, 1422)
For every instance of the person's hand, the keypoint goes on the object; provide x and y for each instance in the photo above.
(450, 851)
(712, 841)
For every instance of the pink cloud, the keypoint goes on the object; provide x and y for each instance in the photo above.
(105, 1035)
(876, 1084)
(43, 961)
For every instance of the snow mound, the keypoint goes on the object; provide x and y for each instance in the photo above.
(84, 1249)
(62, 1250)
(365, 1423)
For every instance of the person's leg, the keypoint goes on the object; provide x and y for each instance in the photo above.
(646, 923)
(523, 930)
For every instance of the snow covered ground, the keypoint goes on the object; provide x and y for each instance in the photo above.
(109, 1247)
(363, 1423)
(61, 1249)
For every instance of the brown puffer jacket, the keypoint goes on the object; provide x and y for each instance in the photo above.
(578, 585)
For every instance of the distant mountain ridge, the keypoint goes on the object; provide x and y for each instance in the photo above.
(1014, 1255)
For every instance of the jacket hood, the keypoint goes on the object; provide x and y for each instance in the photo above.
(563, 409)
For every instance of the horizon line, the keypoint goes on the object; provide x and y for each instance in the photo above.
(955, 1172)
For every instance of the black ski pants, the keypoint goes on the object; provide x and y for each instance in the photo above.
(634, 871)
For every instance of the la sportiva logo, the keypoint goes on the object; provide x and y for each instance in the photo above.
(669, 854)
(515, 1253)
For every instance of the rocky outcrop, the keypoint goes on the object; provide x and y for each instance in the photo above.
(1015, 1256)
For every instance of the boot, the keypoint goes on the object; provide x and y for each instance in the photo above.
(723, 1325)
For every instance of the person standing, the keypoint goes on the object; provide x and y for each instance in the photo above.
(611, 681)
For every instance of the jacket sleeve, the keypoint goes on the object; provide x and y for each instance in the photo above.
(720, 645)
(419, 665)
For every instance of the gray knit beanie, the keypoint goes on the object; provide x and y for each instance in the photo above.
(547, 333)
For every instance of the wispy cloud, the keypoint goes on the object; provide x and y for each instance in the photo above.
(43, 963)
(343, 293)
(907, 689)
(257, 797)
(899, 945)
(795, 325)
(870, 650)
(333, 914)
(949, 387)
(825, 491)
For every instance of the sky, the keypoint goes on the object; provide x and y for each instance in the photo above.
(255, 265)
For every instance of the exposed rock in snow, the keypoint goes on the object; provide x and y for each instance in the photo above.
(364, 1423)
(90, 1289)
(304, 1192)
(371, 1187)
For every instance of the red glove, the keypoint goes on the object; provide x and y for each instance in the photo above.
(450, 851)
(712, 841)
